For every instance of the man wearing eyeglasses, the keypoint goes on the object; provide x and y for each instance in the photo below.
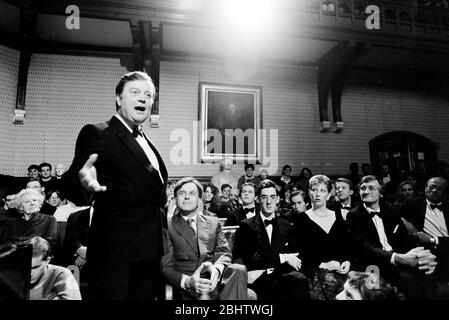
(265, 244)
(382, 240)
(430, 216)
(198, 258)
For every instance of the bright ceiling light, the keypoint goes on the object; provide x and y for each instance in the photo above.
(248, 15)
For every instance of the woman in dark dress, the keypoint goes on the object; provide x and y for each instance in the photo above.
(210, 198)
(324, 242)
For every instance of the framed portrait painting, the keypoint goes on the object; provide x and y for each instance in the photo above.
(230, 120)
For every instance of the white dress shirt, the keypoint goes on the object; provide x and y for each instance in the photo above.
(434, 223)
(269, 228)
(378, 223)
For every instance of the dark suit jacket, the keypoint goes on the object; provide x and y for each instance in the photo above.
(126, 226)
(76, 234)
(368, 246)
(415, 212)
(236, 216)
(253, 246)
(186, 252)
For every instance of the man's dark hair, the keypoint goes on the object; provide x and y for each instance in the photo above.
(266, 184)
(185, 180)
(287, 166)
(347, 181)
(8, 192)
(33, 166)
(225, 185)
(131, 76)
(44, 164)
(249, 165)
(301, 193)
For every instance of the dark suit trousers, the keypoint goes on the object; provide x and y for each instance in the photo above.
(133, 281)
(293, 285)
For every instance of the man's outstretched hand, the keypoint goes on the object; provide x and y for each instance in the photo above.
(88, 175)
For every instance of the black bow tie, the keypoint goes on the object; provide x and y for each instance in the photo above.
(346, 208)
(137, 132)
(373, 213)
(267, 222)
(247, 210)
(438, 206)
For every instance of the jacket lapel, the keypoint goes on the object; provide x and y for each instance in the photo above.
(203, 229)
(181, 226)
(261, 232)
(130, 142)
(369, 224)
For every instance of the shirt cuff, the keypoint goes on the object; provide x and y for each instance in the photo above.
(183, 281)
(220, 267)
(282, 257)
(392, 259)
(437, 241)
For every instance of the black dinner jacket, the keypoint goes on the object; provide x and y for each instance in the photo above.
(76, 234)
(126, 225)
(253, 246)
(415, 212)
(367, 242)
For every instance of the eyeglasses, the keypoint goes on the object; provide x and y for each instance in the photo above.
(433, 187)
(264, 198)
(191, 194)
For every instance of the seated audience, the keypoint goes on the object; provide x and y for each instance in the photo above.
(324, 241)
(345, 196)
(9, 209)
(303, 179)
(404, 192)
(286, 177)
(249, 176)
(36, 185)
(46, 179)
(50, 282)
(263, 174)
(33, 171)
(248, 209)
(285, 207)
(366, 286)
(210, 198)
(265, 244)
(430, 217)
(198, 261)
(381, 239)
(30, 222)
(299, 203)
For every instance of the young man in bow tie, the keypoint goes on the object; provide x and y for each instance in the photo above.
(248, 210)
(382, 240)
(430, 216)
(345, 192)
(265, 244)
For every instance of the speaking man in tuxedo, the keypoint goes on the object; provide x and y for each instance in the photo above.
(198, 258)
(430, 217)
(116, 165)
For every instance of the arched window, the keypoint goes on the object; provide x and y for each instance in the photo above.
(403, 151)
